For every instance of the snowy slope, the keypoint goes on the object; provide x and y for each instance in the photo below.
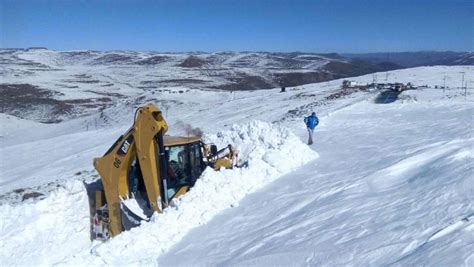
(393, 183)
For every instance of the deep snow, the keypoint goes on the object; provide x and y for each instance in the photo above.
(262, 147)
(393, 183)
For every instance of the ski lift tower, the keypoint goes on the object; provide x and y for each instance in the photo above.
(374, 80)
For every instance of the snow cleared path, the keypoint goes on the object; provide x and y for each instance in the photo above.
(393, 185)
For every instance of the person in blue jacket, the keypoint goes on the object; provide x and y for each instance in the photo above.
(311, 123)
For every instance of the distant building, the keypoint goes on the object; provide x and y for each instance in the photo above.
(354, 85)
(350, 84)
(396, 86)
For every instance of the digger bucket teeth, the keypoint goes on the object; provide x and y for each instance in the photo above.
(129, 218)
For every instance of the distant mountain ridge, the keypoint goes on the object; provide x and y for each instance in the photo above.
(50, 86)
(415, 59)
(220, 70)
(225, 70)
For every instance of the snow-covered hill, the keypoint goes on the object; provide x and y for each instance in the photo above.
(393, 183)
(129, 72)
(51, 86)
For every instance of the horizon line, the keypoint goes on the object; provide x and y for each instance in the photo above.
(232, 51)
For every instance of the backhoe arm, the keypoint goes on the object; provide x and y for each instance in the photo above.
(142, 141)
(150, 126)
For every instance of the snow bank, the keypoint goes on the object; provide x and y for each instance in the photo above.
(271, 151)
(29, 231)
(46, 231)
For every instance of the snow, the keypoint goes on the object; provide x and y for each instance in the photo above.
(262, 146)
(386, 189)
(10, 124)
(44, 232)
(393, 183)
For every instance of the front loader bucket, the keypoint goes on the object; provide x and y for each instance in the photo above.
(97, 209)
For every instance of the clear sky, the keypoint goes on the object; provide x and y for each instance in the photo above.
(175, 25)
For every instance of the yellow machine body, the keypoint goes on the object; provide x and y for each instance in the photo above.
(147, 165)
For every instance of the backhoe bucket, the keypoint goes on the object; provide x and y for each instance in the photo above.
(132, 213)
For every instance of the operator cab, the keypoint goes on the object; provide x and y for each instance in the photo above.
(184, 164)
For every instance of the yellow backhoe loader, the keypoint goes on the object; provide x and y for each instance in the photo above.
(144, 170)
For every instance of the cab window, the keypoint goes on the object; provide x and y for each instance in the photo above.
(184, 167)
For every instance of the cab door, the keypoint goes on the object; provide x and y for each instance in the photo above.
(185, 166)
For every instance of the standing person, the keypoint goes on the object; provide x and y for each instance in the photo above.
(311, 123)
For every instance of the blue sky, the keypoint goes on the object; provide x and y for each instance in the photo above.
(311, 26)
